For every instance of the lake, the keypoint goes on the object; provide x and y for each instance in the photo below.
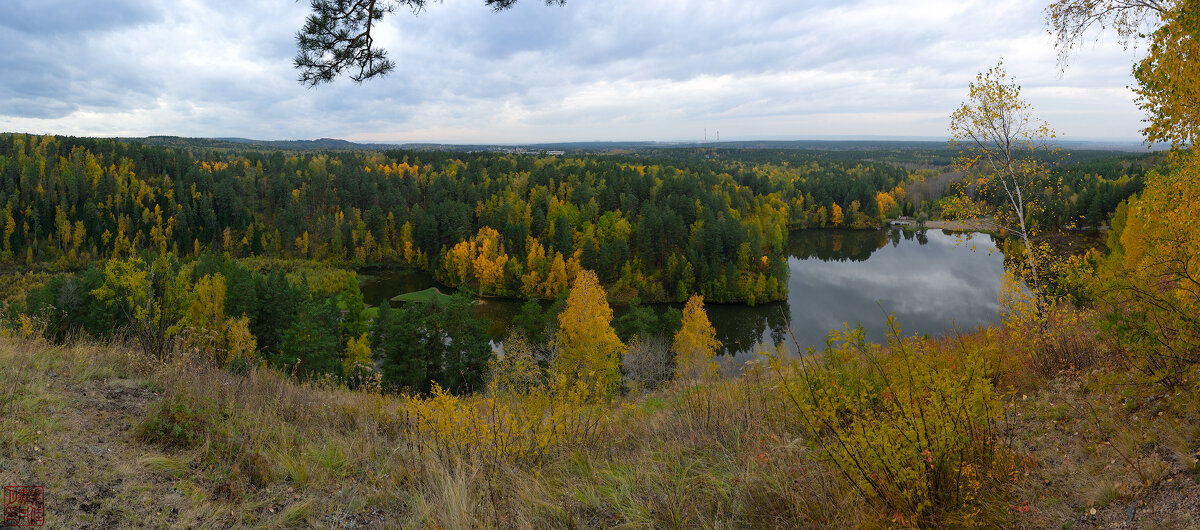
(932, 281)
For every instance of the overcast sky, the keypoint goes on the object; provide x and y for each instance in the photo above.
(592, 70)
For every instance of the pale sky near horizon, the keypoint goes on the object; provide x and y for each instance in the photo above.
(610, 70)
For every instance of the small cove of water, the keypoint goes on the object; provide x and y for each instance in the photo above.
(932, 281)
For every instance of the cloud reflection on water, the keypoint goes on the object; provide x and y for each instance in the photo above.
(932, 284)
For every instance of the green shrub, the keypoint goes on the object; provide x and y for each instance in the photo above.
(911, 426)
(172, 423)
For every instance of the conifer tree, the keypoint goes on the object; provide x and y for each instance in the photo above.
(397, 342)
(459, 343)
(310, 345)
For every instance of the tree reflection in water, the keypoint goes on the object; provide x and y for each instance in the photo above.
(932, 284)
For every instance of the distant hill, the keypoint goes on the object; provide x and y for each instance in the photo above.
(320, 144)
(851, 148)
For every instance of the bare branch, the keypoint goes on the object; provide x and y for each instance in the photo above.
(1070, 20)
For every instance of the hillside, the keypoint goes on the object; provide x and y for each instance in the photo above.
(184, 443)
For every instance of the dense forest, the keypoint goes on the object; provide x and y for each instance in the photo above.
(660, 225)
(247, 254)
(508, 225)
(244, 256)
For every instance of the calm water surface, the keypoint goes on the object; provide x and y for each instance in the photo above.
(933, 282)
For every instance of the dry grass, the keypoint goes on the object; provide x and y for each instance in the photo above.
(1098, 440)
(269, 451)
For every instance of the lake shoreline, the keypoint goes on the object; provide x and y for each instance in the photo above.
(982, 226)
(836, 276)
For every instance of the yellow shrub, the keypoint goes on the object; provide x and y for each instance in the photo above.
(504, 427)
(908, 425)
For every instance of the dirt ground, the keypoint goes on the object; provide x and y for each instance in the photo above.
(1126, 467)
(91, 466)
(80, 444)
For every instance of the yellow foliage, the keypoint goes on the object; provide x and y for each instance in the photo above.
(205, 318)
(125, 284)
(27, 328)
(208, 302)
(406, 242)
(489, 260)
(239, 343)
(588, 348)
(481, 258)
(323, 280)
(358, 355)
(999, 136)
(517, 369)
(1153, 276)
(1161, 238)
(458, 262)
(903, 423)
(557, 280)
(301, 245)
(695, 343)
(531, 281)
(887, 204)
(1169, 78)
(574, 266)
(1018, 305)
(502, 427)
(206, 329)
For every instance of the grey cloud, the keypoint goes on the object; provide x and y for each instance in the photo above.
(618, 68)
(57, 77)
(40, 18)
(32, 89)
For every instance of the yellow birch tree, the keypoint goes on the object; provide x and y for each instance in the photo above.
(695, 343)
(205, 317)
(1169, 78)
(588, 347)
(997, 134)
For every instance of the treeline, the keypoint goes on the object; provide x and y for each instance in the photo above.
(1081, 194)
(899, 154)
(507, 225)
(308, 322)
(1092, 190)
(312, 322)
(819, 192)
(660, 228)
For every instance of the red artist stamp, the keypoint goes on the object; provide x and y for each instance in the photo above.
(24, 506)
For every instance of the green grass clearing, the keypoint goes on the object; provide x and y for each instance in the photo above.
(424, 296)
